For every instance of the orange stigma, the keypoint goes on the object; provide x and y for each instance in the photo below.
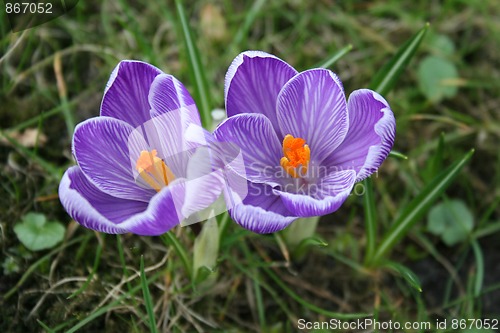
(153, 170)
(296, 156)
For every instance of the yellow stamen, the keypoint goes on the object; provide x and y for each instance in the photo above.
(153, 170)
(296, 156)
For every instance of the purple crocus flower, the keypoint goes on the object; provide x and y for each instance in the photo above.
(133, 160)
(304, 147)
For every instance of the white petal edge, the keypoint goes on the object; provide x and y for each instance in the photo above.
(386, 129)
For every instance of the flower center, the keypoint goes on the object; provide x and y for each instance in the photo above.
(296, 156)
(153, 170)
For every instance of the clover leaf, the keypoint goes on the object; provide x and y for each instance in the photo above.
(451, 220)
(36, 233)
(437, 78)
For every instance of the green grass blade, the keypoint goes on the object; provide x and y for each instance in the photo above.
(132, 26)
(201, 91)
(437, 160)
(383, 81)
(46, 115)
(353, 264)
(261, 309)
(58, 328)
(245, 27)
(170, 239)
(49, 167)
(147, 299)
(37, 263)
(478, 254)
(308, 242)
(405, 273)
(276, 295)
(69, 119)
(490, 229)
(398, 155)
(370, 219)
(335, 57)
(121, 254)
(435, 163)
(107, 308)
(270, 290)
(223, 220)
(419, 206)
(483, 221)
(387, 76)
(312, 307)
(44, 326)
(97, 260)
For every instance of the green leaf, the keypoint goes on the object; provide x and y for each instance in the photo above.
(206, 250)
(335, 57)
(10, 266)
(147, 299)
(170, 239)
(387, 76)
(478, 254)
(44, 326)
(406, 273)
(419, 206)
(201, 92)
(299, 237)
(451, 220)
(398, 155)
(300, 230)
(437, 78)
(435, 164)
(441, 45)
(312, 241)
(383, 82)
(37, 234)
(299, 252)
(489, 229)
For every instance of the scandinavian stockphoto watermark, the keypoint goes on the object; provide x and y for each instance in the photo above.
(214, 173)
(158, 159)
(25, 14)
(312, 184)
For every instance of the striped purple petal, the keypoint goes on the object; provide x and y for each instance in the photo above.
(253, 82)
(312, 106)
(261, 150)
(261, 211)
(167, 94)
(163, 212)
(372, 129)
(126, 93)
(99, 211)
(166, 133)
(320, 199)
(102, 147)
(204, 182)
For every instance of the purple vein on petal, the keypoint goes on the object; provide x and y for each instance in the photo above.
(253, 82)
(312, 106)
(126, 93)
